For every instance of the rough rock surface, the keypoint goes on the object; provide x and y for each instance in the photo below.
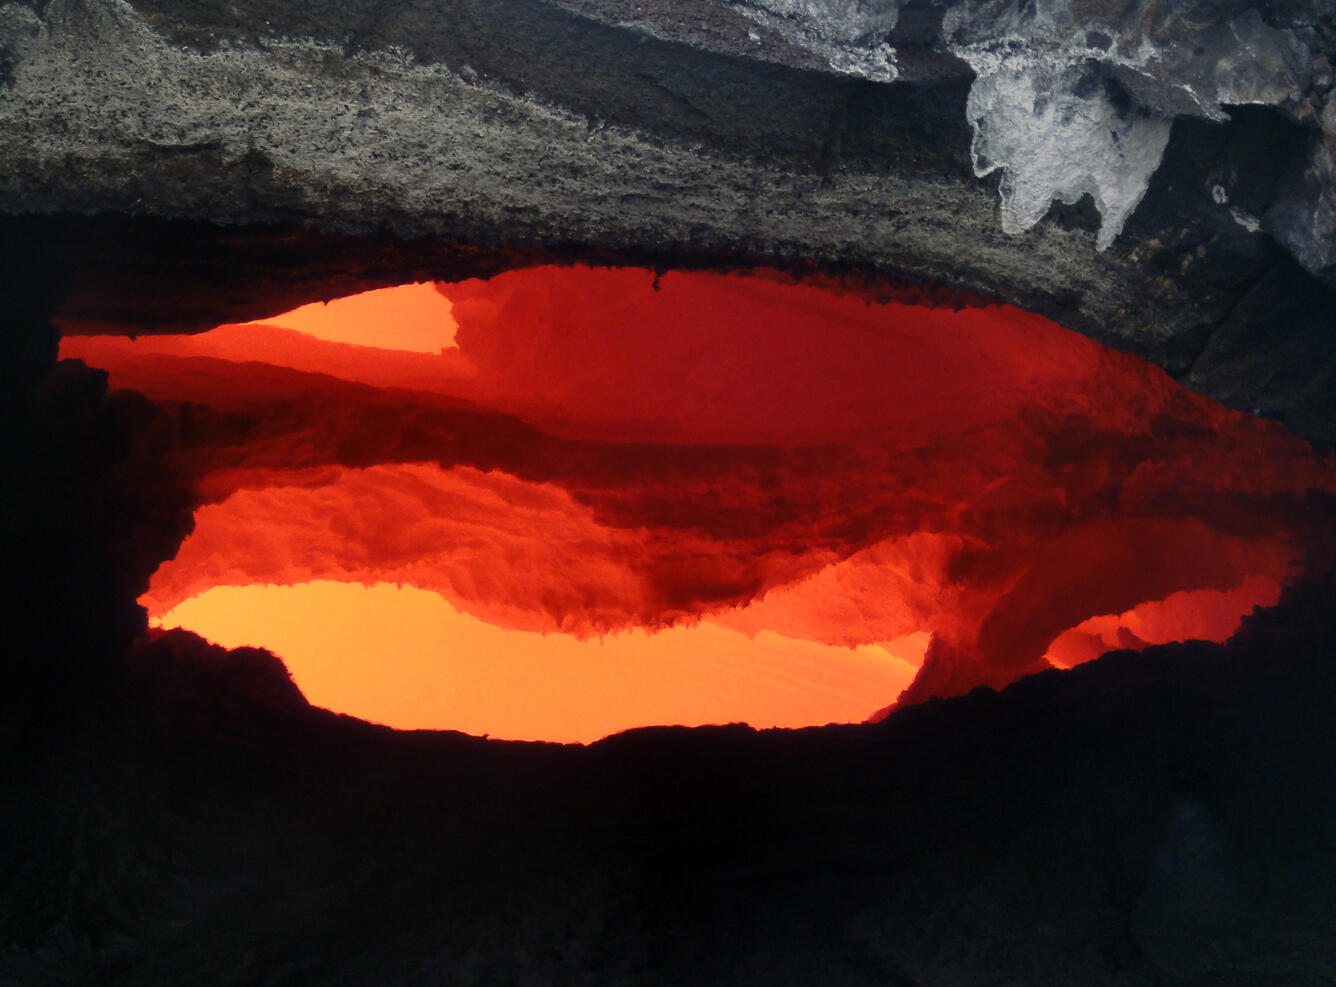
(761, 130)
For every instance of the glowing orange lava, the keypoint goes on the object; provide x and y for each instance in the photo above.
(610, 499)
(1203, 615)
(412, 317)
(405, 657)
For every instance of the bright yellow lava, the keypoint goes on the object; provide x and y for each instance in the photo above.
(413, 317)
(406, 658)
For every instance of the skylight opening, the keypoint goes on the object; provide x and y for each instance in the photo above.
(568, 501)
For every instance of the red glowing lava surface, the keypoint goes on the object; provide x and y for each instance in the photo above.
(568, 501)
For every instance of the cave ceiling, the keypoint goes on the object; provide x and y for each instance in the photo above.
(1155, 175)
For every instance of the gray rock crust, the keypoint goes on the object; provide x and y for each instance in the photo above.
(1095, 163)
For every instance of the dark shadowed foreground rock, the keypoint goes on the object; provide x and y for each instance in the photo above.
(1152, 818)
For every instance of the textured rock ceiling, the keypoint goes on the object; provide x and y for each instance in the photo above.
(1194, 143)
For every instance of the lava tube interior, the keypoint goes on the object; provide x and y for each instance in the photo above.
(566, 501)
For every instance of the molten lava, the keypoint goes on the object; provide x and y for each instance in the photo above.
(413, 318)
(404, 656)
(696, 497)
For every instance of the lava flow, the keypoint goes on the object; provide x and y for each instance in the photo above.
(567, 501)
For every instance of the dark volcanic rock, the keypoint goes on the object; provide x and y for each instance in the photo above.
(1145, 819)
